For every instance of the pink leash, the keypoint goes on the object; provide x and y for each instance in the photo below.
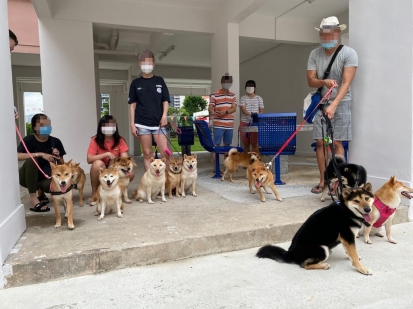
(326, 97)
(25, 147)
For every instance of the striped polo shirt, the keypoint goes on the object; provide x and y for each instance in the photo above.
(252, 105)
(222, 102)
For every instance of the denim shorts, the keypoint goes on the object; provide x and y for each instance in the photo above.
(225, 134)
(142, 131)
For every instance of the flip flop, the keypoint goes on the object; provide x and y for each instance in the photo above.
(317, 189)
(43, 198)
(38, 207)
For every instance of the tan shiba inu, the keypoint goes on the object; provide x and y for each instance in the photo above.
(386, 201)
(61, 191)
(173, 177)
(124, 166)
(152, 182)
(78, 180)
(108, 194)
(235, 159)
(261, 177)
(189, 174)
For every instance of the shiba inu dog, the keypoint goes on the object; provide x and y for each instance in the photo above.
(108, 195)
(262, 177)
(61, 190)
(124, 166)
(173, 177)
(235, 159)
(352, 176)
(386, 201)
(152, 182)
(189, 174)
(78, 180)
(325, 229)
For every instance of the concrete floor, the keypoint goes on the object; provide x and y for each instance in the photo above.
(239, 280)
(224, 217)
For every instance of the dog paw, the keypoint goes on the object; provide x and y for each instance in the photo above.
(57, 226)
(183, 195)
(100, 218)
(150, 202)
(120, 215)
(392, 241)
(128, 201)
(357, 235)
(280, 199)
(365, 271)
(92, 203)
(178, 195)
(263, 200)
(65, 215)
(140, 200)
(379, 234)
(326, 266)
(359, 258)
(164, 200)
(367, 241)
(323, 199)
(194, 194)
(170, 197)
(81, 204)
(71, 227)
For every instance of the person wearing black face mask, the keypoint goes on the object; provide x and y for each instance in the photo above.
(44, 148)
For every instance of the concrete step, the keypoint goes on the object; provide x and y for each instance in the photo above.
(149, 234)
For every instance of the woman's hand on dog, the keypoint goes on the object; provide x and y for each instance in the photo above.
(111, 155)
(56, 152)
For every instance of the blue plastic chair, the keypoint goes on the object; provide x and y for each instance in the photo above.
(345, 146)
(206, 141)
(273, 131)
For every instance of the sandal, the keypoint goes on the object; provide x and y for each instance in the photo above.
(43, 199)
(317, 189)
(38, 207)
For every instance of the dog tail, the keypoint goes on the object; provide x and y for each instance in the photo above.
(134, 193)
(232, 151)
(275, 253)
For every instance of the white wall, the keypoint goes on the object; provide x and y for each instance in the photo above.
(12, 216)
(281, 80)
(382, 89)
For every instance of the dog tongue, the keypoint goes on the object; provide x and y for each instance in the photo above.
(259, 183)
(367, 217)
(63, 188)
(158, 174)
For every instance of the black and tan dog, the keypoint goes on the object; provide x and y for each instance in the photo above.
(352, 176)
(325, 229)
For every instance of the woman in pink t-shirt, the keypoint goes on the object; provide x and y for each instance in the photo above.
(104, 147)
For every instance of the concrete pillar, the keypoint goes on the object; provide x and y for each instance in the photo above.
(69, 88)
(383, 89)
(12, 216)
(97, 87)
(225, 59)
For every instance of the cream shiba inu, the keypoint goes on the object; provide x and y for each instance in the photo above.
(78, 180)
(124, 166)
(173, 177)
(189, 174)
(152, 182)
(61, 190)
(108, 195)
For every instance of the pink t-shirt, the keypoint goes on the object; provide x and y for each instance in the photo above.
(94, 149)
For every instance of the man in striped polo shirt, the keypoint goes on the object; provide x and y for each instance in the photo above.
(222, 106)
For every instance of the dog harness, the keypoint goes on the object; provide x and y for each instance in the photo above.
(385, 212)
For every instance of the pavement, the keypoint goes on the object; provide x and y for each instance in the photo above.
(223, 217)
(239, 280)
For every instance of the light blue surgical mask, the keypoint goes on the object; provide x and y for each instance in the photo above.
(329, 45)
(45, 130)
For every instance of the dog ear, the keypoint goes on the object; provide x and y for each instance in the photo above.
(152, 159)
(180, 159)
(69, 163)
(185, 156)
(393, 179)
(163, 160)
(194, 156)
(101, 170)
(52, 165)
(368, 187)
(345, 193)
(117, 160)
(253, 170)
(130, 158)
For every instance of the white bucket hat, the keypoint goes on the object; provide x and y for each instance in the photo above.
(331, 22)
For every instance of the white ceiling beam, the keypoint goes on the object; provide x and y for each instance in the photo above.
(43, 8)
(139, 15)
(258, 26)
(235, 11)
(134, 37)
(296, 31)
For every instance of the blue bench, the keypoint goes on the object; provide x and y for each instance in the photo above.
(206, 141)
(345, 146)
(273, 131)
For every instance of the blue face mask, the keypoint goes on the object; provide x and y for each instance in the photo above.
(329, 45)
(45, 130)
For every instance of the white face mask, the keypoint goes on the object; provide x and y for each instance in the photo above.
(147, 68)
(108, 130)
(250, 89)
(226, 85)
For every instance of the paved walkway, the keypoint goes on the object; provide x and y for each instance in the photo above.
(239, 280)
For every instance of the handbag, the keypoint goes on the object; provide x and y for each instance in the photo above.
(313, 98)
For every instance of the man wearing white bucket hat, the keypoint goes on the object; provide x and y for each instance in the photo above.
(338, 108)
